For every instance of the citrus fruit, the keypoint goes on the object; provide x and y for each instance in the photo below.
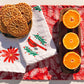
(70, 41)
(71, 60)
(71, 19)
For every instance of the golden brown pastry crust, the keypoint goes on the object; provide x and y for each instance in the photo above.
(3, 29)
(25, 10)
(8, 13)
(7, 5)
(18, 27)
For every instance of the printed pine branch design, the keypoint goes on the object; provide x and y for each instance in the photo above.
(40, 39)
(30, 51)
(37, 8)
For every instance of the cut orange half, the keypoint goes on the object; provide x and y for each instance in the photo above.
(71, 41)
(71, 60)
(71, 19)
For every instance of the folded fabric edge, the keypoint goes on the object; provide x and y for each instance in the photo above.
(14, 68)
(42, 57)
(19, 71)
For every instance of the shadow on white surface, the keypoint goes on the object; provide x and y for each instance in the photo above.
(66, 82)
(60, 82)
(10, 81)
(41, 82)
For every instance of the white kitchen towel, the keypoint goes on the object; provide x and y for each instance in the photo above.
(11, 59)
(38, 45)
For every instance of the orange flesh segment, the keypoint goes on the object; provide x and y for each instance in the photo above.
(71, 60)
(71, 19)
(71, 41)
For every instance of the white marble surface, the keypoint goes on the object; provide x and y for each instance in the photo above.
(42, 2)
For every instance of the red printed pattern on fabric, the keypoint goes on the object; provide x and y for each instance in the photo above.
(51, 14)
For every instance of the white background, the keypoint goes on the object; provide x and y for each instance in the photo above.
(42, 2)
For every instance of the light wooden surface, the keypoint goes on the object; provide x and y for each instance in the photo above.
(42, 2)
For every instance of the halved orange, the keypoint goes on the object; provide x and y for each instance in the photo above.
(71, 60)
(71, 19)
(71, 41)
